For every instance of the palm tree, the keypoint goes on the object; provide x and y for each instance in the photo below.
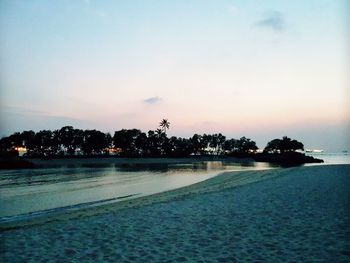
(164, 124)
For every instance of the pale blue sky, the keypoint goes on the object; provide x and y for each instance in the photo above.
(263, 69)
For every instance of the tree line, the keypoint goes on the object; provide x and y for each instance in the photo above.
(69, 141)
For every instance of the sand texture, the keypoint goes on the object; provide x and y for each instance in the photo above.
(294, 215)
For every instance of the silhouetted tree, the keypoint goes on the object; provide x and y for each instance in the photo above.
(197, 144)
(165, 124)
(5, 144)
(16, 139)
(45, 143)
(220, 140)
(134, 142)
(246, 145)
(284, 145)
(66, 138)
(141, 143)
(153, 144)
(78, 140)
(214, 142)
(273, 146)
(108, 142)
(230, 146)
(29, 141)
(131, 142)
(206, 140)
(159, 132)
(180, 147)
(95, 142)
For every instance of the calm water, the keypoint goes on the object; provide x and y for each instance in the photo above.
(34, 192)
(332, 158)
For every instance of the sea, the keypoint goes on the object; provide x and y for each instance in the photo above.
(331, 158)
(29, 193)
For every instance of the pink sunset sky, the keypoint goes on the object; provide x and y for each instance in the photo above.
(237, 67)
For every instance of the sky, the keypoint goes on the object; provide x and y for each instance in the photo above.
(261, 69)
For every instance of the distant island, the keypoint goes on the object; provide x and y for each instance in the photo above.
(69, 142)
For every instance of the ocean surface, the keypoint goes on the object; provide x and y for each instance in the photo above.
(36, 192)
(331, 158)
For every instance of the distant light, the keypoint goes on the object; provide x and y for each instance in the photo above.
(314, 151)
(21, 150)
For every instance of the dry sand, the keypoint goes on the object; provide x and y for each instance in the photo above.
(296, 214)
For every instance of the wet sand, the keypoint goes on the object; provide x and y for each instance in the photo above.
(296, 214)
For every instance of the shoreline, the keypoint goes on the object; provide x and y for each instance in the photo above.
(220, 182)
(282, 160)
(103, 161)
(299, 214)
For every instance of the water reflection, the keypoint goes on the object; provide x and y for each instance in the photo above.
(195, 166)
(331, 158)
(32, 190)
(152, 167)
(68, 173)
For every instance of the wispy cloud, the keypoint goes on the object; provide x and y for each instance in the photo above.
(274, 21)
(153, 100)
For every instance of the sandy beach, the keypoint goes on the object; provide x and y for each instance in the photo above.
(295, 214)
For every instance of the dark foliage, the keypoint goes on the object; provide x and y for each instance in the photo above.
(68, 141)
(283, 146)
(287, 158)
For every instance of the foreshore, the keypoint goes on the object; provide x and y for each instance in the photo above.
(294, 214)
